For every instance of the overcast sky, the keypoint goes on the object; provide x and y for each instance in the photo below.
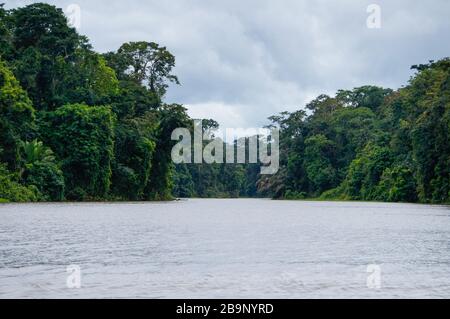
(240, 61)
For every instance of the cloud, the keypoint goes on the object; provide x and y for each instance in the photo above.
(242, 61)
(226, 114)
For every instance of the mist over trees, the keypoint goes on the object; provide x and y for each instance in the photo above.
(79, 125)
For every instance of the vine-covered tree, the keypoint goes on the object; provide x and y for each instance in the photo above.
(82, 137)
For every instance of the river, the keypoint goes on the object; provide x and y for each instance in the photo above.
(231, 248)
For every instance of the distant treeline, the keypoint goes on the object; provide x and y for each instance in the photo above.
(79, 125)
(369, 143)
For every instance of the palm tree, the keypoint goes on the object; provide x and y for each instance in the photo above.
(35, 151)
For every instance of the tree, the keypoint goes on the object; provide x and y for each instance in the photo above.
(430, 133)
(5, 34)
(365, 172)
(397, 184)
(43, 45)
(352, 129)
(82, 137)
(16, 117)
(133, 100)
(134, 149)
(160, 184)
(42, 171)
(12, 191)
(87, 80)
(106, 132)
(371, 97)
(145, 63)
(293, 132)
(182, 181)
(318, 162)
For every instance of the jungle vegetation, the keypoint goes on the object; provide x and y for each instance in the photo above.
(79, 125)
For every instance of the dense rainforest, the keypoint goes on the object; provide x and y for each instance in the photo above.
(79, 125)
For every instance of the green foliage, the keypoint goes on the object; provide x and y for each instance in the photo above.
(107, 133)
(352, 129)
(365, 172)
(42, 171)
(35, 151)
(12, 191)
(43, 44)
(119, 151)
(397, 184)
(292, 195)
(16, 117)
(144, 63)
(217, 180)
(160, 184)
(371, 97)
(319, 154)
(87, 80)
(48, 178)
(337, 193)
(5, 34)
(133, 154)
(134, 100)
(83, 138)
(183, 183)
(429, 91)
(212, 181)
(370, 143)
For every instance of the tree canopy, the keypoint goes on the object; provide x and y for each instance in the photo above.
(76, 124)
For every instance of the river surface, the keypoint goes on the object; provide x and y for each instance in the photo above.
(237, 248)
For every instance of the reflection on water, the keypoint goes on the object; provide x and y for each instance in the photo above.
(241, 248)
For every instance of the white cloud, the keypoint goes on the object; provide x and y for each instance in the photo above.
(242, 61)
(228, 115)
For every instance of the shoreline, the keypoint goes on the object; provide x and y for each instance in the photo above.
(306, 200)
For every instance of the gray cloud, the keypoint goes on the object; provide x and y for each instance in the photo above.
(242, 61)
